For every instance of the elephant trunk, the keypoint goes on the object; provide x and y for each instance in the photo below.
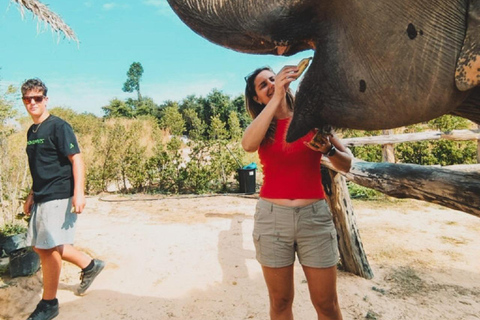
(260, 27)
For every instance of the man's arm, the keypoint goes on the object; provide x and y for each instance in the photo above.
(27, 205)
(78, 168)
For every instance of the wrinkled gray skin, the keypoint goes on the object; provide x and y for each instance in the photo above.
(377, 64)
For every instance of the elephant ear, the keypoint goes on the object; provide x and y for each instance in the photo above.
(467, 74)
(260, 27)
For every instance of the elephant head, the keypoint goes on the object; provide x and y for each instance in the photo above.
(377, 64)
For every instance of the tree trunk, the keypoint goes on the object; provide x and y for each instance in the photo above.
(459, 190)
(350, 245)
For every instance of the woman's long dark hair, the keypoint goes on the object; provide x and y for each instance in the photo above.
(254, 108)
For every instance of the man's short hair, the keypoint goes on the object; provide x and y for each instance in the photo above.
(34, 84)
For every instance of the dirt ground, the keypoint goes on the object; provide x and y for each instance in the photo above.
(193, 258)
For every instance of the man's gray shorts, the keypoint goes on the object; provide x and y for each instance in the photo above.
(51, 224)
(281, 231)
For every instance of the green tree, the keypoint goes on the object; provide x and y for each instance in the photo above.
(234, 126)
(172, 120)
(192, 102)
(146, 107)
(216, 104)
(195, 127)
(117, 108)
(14, 177)
(238, 104)
(217, 130)
(134, 76)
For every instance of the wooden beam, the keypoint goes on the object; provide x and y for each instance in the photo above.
(455, 189)
(412, 137)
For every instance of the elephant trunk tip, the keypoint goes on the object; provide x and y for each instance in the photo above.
(295, 132)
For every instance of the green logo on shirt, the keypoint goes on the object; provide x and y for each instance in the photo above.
(72, 146)
(36, 141)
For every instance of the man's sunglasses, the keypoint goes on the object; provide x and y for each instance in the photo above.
(37, 99)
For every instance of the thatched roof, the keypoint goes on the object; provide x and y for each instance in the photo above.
(43, 13)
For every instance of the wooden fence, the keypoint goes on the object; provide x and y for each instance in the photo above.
(456, 187)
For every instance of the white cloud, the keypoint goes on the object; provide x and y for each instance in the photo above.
(109, 6)
(163, 8)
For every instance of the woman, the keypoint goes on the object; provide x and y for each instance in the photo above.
(291, 215)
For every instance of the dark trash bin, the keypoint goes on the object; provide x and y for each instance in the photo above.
(246, 180)
(12, 243)
(23, 262)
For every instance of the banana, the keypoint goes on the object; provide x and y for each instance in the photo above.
(302, 65)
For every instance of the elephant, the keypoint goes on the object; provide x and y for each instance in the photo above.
(376, 64)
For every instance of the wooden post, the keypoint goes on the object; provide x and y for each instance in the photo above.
(478, 146)
(388, 152)
(350, 245)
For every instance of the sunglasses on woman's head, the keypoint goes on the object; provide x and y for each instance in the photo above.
(256, 71)
(28, 99)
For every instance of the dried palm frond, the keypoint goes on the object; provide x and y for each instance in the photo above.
(43, 13)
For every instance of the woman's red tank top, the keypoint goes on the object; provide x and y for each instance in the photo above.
(290, 170)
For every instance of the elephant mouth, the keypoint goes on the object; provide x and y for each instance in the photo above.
(281, 47)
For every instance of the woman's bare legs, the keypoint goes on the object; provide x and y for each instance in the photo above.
(281, 291)
(322, 284)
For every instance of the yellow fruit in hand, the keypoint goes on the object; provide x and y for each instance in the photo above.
(302, 65)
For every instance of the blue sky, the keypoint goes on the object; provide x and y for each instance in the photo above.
(112, 34)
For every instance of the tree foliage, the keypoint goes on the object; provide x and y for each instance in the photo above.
(134, 76)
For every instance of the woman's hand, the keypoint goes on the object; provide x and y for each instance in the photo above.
(284, 78)
(321, 143)
(340, 157)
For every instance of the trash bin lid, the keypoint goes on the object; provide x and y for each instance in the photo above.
(250, 166)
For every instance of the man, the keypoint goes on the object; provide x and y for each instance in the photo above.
(55, 199)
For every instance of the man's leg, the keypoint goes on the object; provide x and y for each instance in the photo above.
(71, 254)
(91, 268)
(280, 290)
(51, 261)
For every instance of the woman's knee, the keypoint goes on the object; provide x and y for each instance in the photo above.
(327, 306)
(281, 303)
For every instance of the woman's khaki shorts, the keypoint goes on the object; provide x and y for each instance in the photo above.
(281, 231)
(52, 224)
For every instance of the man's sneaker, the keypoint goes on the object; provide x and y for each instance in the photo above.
(87, 277)
(44, 311)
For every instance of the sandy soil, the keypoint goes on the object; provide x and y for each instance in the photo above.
(193, 258)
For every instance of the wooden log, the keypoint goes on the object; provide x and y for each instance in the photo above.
(455, 189)
(352, 255)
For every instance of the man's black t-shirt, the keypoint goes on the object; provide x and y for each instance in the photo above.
(48, 146)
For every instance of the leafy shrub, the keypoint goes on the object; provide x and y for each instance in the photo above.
(357, 191)
(11, 229)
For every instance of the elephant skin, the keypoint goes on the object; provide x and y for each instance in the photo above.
(376, 64)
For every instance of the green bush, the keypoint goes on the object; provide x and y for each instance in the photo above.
(360, 192)
(11, 229)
